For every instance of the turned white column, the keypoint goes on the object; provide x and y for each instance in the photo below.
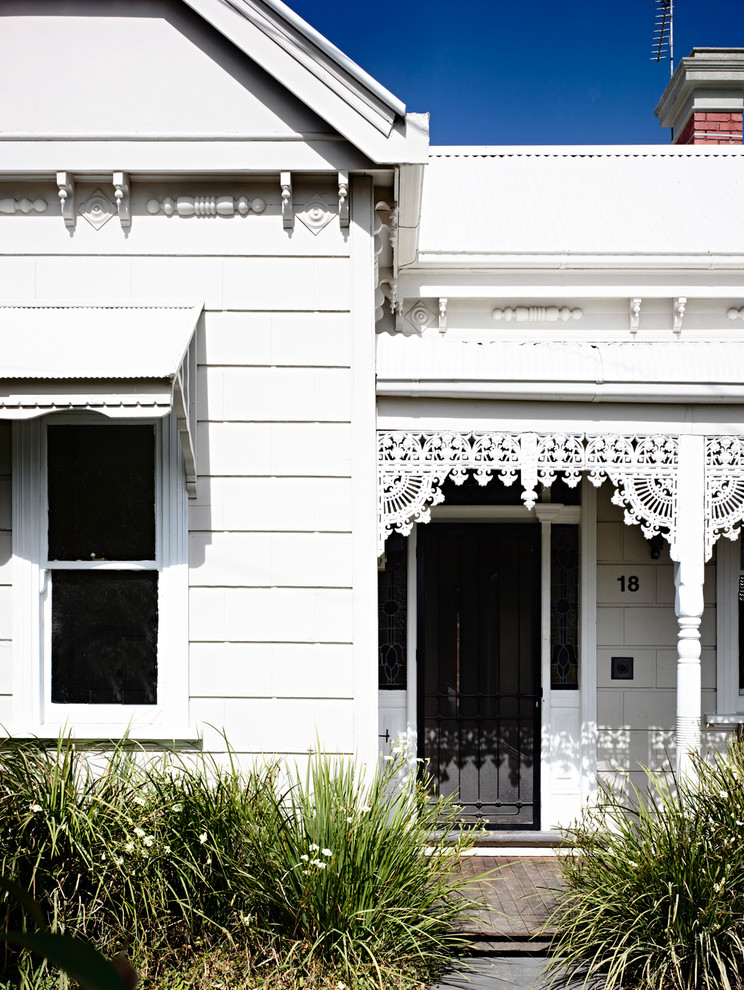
(688, 554)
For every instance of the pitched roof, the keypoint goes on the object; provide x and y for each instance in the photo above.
(574, 201)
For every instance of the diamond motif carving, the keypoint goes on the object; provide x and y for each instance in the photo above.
(413, 467)
(97, 209)
(420, 316)
(315, 214)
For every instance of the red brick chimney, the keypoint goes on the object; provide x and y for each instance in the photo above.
(704, 100)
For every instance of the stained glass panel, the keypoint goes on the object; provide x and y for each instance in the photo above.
(392, 598)
(564, 608)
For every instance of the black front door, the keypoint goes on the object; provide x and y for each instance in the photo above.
(479, 667)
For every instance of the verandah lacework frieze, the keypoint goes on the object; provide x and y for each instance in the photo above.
(724, 489)
(413, 466)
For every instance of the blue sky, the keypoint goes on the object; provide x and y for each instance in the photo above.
(505, 72)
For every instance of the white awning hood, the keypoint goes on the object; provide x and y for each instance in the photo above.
(122, 361)
(648, 371)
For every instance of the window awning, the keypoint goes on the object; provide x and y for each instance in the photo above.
(122, 361)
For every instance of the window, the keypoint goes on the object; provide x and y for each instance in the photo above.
(100, 578)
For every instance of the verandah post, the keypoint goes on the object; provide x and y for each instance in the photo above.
(688, 553)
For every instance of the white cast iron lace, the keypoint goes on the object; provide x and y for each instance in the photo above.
(413, 466)
(724, 489)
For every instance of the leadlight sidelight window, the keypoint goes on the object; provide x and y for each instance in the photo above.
(102, 563)
(392, 592)
(564, 608)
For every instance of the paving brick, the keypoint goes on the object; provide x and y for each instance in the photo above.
(515, 896)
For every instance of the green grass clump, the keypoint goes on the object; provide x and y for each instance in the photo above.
(655, 885)
(197, 867)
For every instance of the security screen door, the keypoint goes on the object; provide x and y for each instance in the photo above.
(479, 667)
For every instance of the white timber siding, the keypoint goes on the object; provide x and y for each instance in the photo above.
(271, 551)
(636, 718)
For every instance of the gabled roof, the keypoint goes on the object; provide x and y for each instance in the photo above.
(328, 82)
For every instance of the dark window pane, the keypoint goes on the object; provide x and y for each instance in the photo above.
(741, 630)
(104, 637)
(101, 492)
(392, 601)
(564, 608)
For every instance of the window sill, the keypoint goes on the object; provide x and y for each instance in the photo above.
(105, 732)
(731, 720)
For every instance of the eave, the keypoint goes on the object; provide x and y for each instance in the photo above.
(327, 81)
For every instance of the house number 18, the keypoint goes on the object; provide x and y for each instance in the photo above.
(629, 583)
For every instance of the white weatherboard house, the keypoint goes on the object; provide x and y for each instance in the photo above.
(265, 352)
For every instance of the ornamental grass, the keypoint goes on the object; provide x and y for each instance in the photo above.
(655, 885)
(213, 876)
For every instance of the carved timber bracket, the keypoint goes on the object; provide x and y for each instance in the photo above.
(724, 489)
(413, 466)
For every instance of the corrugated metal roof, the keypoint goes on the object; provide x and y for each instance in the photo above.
(45, 341)
(583, 201)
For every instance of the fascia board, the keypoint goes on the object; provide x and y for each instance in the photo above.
(376, 126)
(20, 157)
(453, 285)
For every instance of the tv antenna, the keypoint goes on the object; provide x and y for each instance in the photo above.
(663, 40)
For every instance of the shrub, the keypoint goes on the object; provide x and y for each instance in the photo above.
(180, 857)
(360, 873)
(655, 887)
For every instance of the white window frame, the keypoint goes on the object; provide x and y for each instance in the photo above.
(34, 714)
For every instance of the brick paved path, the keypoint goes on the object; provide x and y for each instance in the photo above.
(518, 895)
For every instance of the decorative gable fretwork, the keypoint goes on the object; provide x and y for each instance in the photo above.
(414, 466)
(724, 489)
(644, 470)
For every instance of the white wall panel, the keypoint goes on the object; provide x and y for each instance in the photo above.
(266, 670)
(87, 280)
(276, 615)
(6, 667)
(283, 339)
(658, 625)
(17, 279)
(273, 504)
(277, 725)
(666, 668)
(6, 626)
(311, 339)
(311, 450)
(274, 394)
(179, 280)
(286, 284)
(302, 560)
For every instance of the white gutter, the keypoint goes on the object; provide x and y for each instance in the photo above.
(563, 391)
